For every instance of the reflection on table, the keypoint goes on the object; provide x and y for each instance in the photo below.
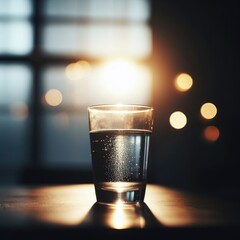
(120, 216)
(72, 209)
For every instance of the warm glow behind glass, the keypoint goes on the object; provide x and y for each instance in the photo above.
(183, 82)
(178, 120)
(208, 110)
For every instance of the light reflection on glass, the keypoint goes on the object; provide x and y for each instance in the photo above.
(120, 159)
(178, 120)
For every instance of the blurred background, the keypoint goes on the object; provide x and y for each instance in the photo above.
(58, 57)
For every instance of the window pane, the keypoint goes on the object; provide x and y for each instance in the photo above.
(65, 140)
(16, 37)
(97, 40)
(15, 87)
(14, 140)
(15, 8)
(105, 9)
(15, 84)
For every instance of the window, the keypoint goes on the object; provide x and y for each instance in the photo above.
(57, 58)
(15, 27)
(16, 41)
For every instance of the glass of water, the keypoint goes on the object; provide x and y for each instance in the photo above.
(120, 140)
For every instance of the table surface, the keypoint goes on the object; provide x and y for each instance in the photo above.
(71, 211)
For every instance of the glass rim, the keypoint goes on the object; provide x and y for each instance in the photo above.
(121, 107)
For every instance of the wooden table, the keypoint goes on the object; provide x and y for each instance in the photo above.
(70, 212)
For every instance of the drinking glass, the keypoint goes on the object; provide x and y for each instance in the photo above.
(120, 141)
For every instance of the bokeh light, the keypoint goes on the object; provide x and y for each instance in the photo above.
(183, 82)
(208, 110)
(211, 133)
(178, 120)
(78, 70)
(53, 97)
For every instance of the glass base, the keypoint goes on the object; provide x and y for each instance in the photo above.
(123, 196)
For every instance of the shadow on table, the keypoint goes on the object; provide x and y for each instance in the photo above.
(120, 216)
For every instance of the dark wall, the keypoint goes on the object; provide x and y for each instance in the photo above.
(202, 39)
